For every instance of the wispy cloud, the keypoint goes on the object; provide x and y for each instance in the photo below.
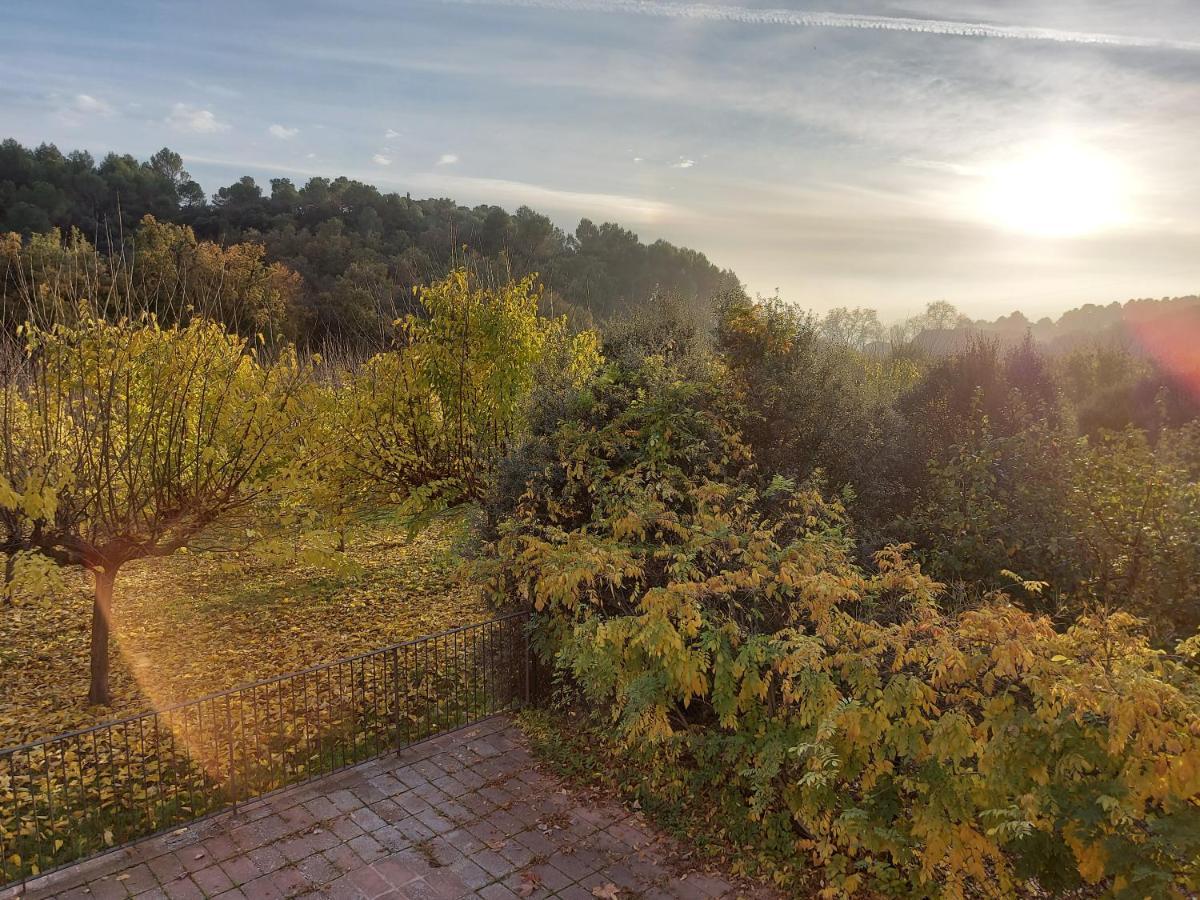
(87, 104)
(380, 160)
(683, 164)
(283, 132)
(815, 19)
(447, 159)
(184, 117)
(571, 203)
(77, 109)
(391, 134)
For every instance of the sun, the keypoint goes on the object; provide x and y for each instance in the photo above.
(1055, 190)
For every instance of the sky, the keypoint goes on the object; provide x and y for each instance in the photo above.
(1031, 154)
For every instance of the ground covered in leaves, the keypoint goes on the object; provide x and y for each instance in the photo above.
(578, 746)
(189, 625)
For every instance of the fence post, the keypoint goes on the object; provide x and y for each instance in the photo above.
(528, 657)
(232, 770)
(396, 697)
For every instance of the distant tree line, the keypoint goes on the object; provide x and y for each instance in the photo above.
(358, 252)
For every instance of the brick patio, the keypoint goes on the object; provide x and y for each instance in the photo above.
(465, 814)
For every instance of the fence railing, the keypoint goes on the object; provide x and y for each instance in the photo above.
(68, 797)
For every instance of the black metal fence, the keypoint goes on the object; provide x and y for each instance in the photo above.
(71, 796)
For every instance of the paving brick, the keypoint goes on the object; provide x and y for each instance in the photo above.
(472, 874)
(517, 854)
(322, 808)
(212, 880)
(414, 829)
(397, 872)
(263, 888)
(366, 819)
(369, 881)
(392, 839)
(345, 800)
(462, 814)
(551, 878)
(387, 784)
(219, 847)
(166, 868)
(240, 869)
(390, 811)
(493, 863)
(439, 851)
(418, 890)
(522, 884)
(498, 892)
(289, 881)
(463, 841)
(343, 828)
(367, 847)
(107, 888)
(296, 849)
(572, 865)
(183, 889)
(447, 884)
(267, 859)
(343, 858)
(248, 837)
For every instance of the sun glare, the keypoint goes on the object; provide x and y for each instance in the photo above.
(1056, 190)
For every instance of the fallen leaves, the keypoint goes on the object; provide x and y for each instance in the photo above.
(607, 891)
(530, 882)
(186, 626)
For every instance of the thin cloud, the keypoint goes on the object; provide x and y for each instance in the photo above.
(802, 19)
(185, 117)
(683, 164)
(89, 105)
(75, 110)
(283, 132)
(573, 203)
(380, 160)
(447, 159)
(391, 133)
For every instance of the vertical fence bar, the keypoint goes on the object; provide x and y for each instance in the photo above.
(233, 791)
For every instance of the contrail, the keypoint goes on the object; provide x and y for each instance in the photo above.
(803, 19)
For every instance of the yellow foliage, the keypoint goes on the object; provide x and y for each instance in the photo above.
(910, 750)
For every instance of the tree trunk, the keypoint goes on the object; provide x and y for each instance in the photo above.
(101, 625)
(10, 565)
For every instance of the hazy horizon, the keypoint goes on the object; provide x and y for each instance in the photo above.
(1037, 163)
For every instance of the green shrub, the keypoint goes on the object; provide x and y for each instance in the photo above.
(837, 710)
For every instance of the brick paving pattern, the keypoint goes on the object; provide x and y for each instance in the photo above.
(466, 814)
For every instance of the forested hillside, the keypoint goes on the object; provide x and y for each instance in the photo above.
(898, 620)
(358, 252)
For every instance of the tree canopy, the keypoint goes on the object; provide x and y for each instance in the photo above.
(359, 252)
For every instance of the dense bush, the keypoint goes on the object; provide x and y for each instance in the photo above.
(720, 616)
(427, 421)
